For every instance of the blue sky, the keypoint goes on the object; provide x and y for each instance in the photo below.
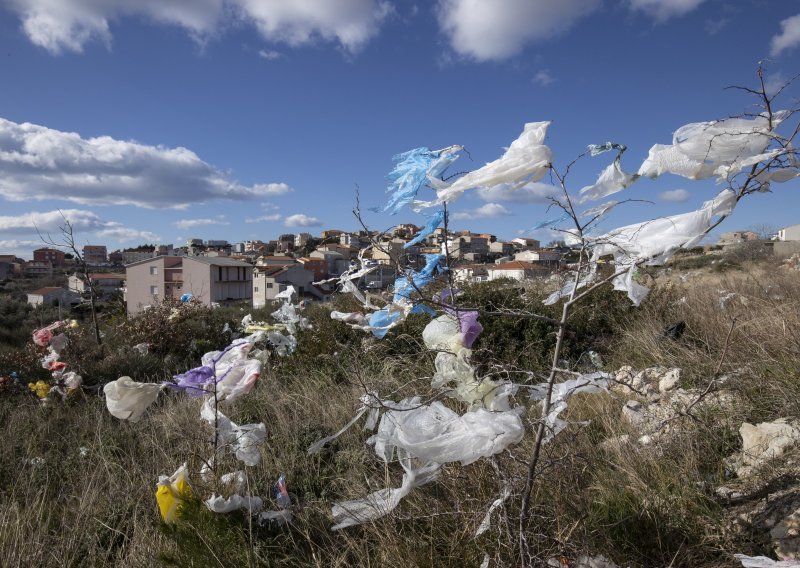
(242, 119)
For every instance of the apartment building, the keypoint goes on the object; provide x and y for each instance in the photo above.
(95, 254)
(105, 284)
(208, 279)
(54, 256)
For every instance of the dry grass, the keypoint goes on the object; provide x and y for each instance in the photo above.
(650, 506)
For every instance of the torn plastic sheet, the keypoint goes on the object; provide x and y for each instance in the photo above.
(443, 333)
(280, 517)
(434, 222)
(468, 322)
(282, 498)
(656, 241)
(43, 336)
(349, 288)
(765, 562)
(381, 321)
(566, 290)
(600, 210)
(58, 343)
(412, 170)
(218, 504)
(456, 376)
(287, 315)
(431, 435)
(171, 492)
(369, 402)
(526, 159)
(549, 222)
(141, 348)
(487, 519)
(244, 440)
(127, 400)
(596, 149)
(356, 318)
(406, 285)
(286, 294)
(611, 180)
(589, 383)
(383, 501)
(233, 372)
(703, 149)
(434, 433)
(283, 344)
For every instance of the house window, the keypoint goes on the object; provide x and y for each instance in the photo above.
(154, 290)
(269, 284)
(154, 270)
(255, 288)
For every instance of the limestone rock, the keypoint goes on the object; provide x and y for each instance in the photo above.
(632, 412)
(786, 537)
(763, 442)
(669, 380)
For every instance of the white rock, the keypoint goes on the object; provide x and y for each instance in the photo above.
(786, 537)
(765, 441)
(669, 380)
(632, 412)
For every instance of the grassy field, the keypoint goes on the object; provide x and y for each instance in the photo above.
(77, 485)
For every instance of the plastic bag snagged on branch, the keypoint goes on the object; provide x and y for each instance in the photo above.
(434, 433)
(383, 501)
(656, 241)
(722, 148)
(127, 400)
(412, 170)
(589, 383)
(526, 159)
(244, 440)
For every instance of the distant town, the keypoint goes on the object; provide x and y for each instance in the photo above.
(255, 272)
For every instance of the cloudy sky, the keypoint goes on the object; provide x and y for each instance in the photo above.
(162, 120)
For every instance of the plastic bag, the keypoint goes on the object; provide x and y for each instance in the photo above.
(526, 159)
(127, 400)
(171, 492)
(244, 440)
(384, 501)
(434, 433)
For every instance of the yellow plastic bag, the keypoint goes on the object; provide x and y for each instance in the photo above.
(171, 492)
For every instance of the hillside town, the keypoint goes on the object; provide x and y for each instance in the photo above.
(216, 272)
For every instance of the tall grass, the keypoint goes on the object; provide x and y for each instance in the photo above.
(89, 500)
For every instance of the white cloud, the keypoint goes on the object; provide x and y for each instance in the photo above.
(497, 29)
(533, 192)
(301, 220)
(789, 36)
(49, 223)
(773, 82)
(68, 25)
(713, 27)
(186, 224)
(40, 163)
(675, 195)
(18, 245)
(488, 211)
(544, 78)
(263, 218)
(269, 55)
(351, 23)
(117, 232)
(663, 10)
